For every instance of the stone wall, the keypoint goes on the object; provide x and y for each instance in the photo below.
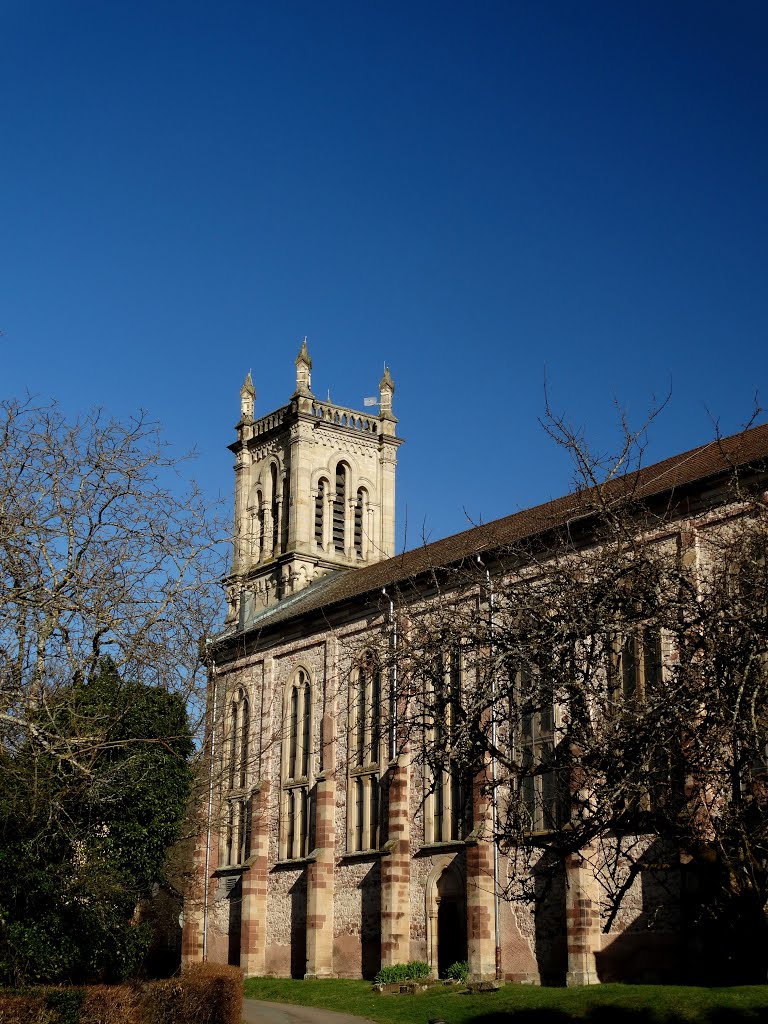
(567, 931)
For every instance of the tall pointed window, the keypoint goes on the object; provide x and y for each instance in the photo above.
(448, 806)
(275, 509)
(361, 507)
(236, 839)
(296, 821)
(365, 755)
(634, 678)
(635, 670)
(237, 730)
(285, 518)
(257, 527)
(320, 502)
(339, 502)
(542, 796)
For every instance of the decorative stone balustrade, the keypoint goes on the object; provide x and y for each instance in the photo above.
(269, 422)
(335, 414)
(342, 417)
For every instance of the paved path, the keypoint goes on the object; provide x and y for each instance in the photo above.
(257, 1012)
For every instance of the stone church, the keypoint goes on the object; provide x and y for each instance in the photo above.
(323, 851)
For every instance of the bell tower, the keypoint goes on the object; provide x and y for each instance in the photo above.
(314, 492)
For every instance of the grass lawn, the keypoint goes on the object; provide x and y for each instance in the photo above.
(526, 1004)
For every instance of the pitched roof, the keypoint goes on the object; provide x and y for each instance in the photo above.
(715, 459)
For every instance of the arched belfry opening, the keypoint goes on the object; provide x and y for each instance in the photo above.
(340, 509)
(314, 492)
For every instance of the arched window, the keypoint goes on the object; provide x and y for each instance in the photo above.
(543, 790)
(635, 667)
(237, 727)
(361, 506)
(297, 761)
(257, 527)
(449, 803)
(275, 508)
(635, 676)
(236, 838)
(284, 515)
(320, 499)
(365, 755)
(339, 496)
(244, 736)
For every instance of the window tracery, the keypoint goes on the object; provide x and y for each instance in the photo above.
(448, 803)
(363, 798)
(297, 759)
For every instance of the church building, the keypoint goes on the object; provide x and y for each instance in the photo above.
(323, 849)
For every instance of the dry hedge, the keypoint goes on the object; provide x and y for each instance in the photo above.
(204, 994)
(25, 1010)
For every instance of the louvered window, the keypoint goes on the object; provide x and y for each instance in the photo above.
(338, 507)
(319, 513)
(275, 510)
(360, 504)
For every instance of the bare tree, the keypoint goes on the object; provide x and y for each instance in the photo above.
(102, 551)
(612, 696)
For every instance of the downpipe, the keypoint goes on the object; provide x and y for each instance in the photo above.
(494, 802)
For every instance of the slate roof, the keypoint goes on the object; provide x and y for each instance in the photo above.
(676, 474)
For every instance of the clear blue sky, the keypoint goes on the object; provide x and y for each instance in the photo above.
(476, 193)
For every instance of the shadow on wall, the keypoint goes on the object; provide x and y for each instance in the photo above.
(370, 927)
(726, 938)
(298, 894)
(550, 920)
(648, 950)
(234, 891)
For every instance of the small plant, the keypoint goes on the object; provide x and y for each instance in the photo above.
(65, 1003)
(458, 971)
(416, 970)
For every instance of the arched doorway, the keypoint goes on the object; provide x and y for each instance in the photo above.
(446, 915)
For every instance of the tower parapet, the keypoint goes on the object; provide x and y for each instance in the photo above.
(314, 492)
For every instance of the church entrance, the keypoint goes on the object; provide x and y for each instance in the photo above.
(447, 915)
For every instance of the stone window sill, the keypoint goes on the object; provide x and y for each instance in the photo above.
(361, 855)
(295, 862)
(444, 847)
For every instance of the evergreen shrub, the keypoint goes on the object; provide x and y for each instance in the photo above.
(415, 970)
(458, 971)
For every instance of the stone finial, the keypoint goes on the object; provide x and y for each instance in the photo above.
(247, 398)
(386, 390)
(303, 368)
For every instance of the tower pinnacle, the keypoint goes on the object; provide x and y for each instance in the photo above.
(247, 398)
(386, 390)
(303, 369)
